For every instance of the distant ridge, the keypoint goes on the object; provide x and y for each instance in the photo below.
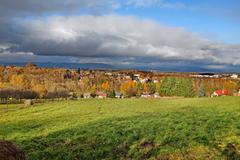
(103, 66)
(66, 65)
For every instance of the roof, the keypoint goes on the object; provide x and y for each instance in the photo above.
(206, 74)
(101, 94)
(221, 92)
(118, 94)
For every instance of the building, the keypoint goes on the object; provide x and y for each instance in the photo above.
(127, 77)
(86, 95)
(205, 75)
(101, 95)
(118, 95)
(156, 95)
(144, 80)
(108, 74)
(137, 75)
(237, 94)
(234, 76)
(155, 81)
(145, 95)
(220, 93)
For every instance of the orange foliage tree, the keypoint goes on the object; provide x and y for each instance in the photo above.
(128, 88)
(106, 86)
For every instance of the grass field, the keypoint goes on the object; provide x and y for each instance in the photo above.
(197, 128)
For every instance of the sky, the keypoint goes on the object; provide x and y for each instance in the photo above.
(186, 35)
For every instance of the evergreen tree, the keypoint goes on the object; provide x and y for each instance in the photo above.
(152, 87)
(189, 91)
(111, 94)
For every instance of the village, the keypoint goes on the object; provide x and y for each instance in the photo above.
(153, 77)
(32, 82)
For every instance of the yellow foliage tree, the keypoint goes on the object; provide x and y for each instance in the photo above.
(106, 86)
(128, 86)
(93, 89)
(230, 85)
(40, 89)
(158, 85)
(20, 82)
(3, 85)
(145, 87)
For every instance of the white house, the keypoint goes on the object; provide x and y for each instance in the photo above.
(144, 80)
(156, 95)
(155, 81)
(145, 95)
(86, 95)
(118, 95)
(234, 76)
(137, 75)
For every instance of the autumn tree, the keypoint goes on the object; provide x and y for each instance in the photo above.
(139, 88)
(151, 87)
(128, 88)
(40, 89)
(20, 82)
(106, 86)
(202, 91)
(230, 85)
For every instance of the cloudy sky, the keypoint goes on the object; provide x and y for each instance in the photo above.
(201, 35)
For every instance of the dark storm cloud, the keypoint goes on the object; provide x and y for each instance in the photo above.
(111, 36)
(17, 8)
(14, 10)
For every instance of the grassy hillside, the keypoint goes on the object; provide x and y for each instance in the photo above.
(127, 129)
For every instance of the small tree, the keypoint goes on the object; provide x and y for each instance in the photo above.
(111, 94)
(202, 92)
(189, 91)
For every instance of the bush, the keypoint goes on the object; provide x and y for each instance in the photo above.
(57, 94)
(111, 94)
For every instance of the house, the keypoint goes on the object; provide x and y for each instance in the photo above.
(72, 95)
(144, 80)
(155, 81)
(234, 76)
(237, 94)
(127, 77)
(86, 95)
(145, 95)
(101, 95)
(118, 95)
(220, 93)
(156, 95)
(108, 74)
(207, 75)
(136, 76)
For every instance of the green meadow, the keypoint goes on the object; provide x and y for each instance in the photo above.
(187, 128)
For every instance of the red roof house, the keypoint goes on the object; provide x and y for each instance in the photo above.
(101, 95)
(220, 93)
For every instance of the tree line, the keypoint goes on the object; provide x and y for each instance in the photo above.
(13, 95)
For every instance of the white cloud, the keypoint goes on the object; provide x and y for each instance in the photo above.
(118, 36)
(156, 3)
